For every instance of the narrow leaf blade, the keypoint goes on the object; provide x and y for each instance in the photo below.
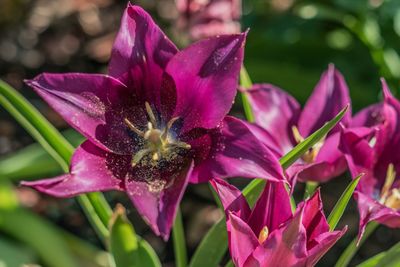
(213, 246)
(338, 210)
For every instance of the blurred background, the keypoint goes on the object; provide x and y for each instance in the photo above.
(289, 44)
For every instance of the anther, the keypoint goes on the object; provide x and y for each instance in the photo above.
(390, 176)
(263, 234)
(151, 114)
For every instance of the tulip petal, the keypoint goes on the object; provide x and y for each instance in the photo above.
(285, 246)
(235, 152)
(156, 195)
(92, 169)
(206, 78)
(329, 97)
(323, 243)
(314, 220)
(140, 53)
(272, 208)
(371, 210)
(242, 241)
(231, 198)
(276, 111)
(360, 156)
(94, 104)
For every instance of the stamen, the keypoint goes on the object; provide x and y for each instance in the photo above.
(181, 145)
(151, 114)
(164, 134)
(393, 200)
(133, 128)
(263, 234)
(296, 134)
(390, 176)
(139, 155)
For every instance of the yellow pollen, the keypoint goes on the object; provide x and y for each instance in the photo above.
(390, 197)
(263, 234)
(157, 143)
(312, 153)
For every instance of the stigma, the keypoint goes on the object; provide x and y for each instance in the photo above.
(390, 197)
(158, 143)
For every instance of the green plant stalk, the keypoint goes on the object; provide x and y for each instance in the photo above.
(352, 248)
(178, 237)
(246, 83)
(54, 143)
(310, 189)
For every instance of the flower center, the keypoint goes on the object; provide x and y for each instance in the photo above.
(263, 234)
(390, 197)
(311, 154)
(158, 143)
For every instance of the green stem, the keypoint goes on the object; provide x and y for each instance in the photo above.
(352, 248)
(246, 83)
(178, 236)
(310, 189)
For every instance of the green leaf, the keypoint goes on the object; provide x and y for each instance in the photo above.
(33, 162)
(38, 234)
(352, 248)
(12, 254)
(246, 83)
(213, 246)
(178, 236)
(389, 258)
(341, 205)
(123, 242)
(127, 249)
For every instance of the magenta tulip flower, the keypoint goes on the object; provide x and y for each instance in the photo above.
(270, 235)
(209, 18)
(156, 121)
(280, 115)
(372, 147)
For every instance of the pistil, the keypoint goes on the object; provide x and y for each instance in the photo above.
(158, 143)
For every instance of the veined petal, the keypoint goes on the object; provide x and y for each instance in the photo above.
(314, 220)
(93, 104)
(272, 208)
(232, 199)
(156, 195)
(206, 77)
(323, 243)
(242, 241)
(235, 152)
(276, 111)
(360, 156)
(329, 97)
(140, 53)
(92, 169)
(286, 246)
